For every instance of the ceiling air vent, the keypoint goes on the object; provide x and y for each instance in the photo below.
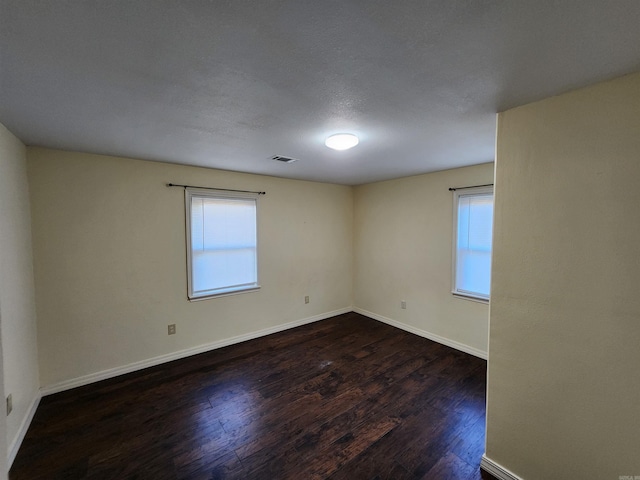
(282, 159)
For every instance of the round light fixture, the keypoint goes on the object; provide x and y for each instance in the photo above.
(341, 141)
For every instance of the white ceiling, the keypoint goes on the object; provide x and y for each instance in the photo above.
(227, 84)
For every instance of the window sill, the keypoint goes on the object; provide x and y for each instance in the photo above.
(471, 298)
(225, 294)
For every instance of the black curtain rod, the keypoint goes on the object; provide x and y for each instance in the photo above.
(213, 188)
(453, 189)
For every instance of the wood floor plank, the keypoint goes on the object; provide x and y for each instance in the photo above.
(343, 398)
(449, 467)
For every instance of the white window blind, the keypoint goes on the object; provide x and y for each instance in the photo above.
(473, 237)
(221, 244)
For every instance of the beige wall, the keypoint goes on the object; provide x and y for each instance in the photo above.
(17, 303)
(110, 260)
(4, 464)
(403, 249)
(564, 394)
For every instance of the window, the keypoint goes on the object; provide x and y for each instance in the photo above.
(473, 225)
(222, 254)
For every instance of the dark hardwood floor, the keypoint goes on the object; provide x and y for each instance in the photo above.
(344, 398)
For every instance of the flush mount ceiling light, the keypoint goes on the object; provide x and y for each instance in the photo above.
(341, 141)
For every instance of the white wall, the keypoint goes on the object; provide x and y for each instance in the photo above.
(17, 303)
(564, 389)
(403, 249)
(109, 252)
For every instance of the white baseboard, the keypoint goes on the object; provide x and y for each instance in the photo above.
(423, 333)
(132, 367)
(497, 470)
(14, 446)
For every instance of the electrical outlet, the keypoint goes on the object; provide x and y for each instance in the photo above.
(171, 330)
(306, 299)
(403, 304)
(9, 404)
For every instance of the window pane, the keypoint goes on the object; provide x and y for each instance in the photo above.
(217, 269)
(473, 246)
(223, 244)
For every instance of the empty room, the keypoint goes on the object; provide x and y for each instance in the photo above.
(319, 240)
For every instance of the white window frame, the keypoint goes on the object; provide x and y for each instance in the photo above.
(190, 193)
(457, 194)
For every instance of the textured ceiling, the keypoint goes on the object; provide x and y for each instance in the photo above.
(228, 84)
